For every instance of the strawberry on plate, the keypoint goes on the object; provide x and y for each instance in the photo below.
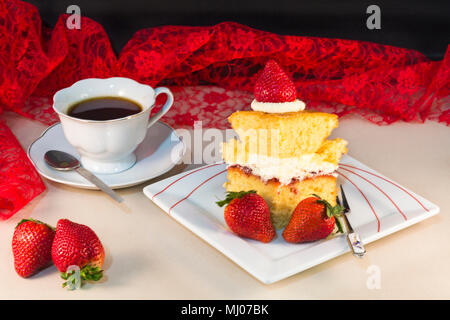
(313, 219)
(274, 85)
(247, 214)
(77, 245)
(31, 246)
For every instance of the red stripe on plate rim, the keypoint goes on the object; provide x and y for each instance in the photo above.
(190, 193)
(184, 176)
(364, 196)
(379, 189)
(391, 182)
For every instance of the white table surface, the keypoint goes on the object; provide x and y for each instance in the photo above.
(150, 256)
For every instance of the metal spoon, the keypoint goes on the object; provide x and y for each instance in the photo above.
(63, 161)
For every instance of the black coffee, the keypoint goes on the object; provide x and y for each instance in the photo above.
(104, 108)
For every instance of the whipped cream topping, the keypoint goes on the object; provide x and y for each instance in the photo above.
(286, 169)
(278, 107)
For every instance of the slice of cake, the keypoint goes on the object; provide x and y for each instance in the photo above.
(282, 152)
(298, 132)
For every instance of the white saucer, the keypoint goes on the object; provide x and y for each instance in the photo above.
(157, 154)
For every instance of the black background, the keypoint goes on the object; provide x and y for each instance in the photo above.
(279, 309)
(419, 25)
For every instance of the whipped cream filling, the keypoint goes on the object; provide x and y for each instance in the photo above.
(278, 107)
(286, 169)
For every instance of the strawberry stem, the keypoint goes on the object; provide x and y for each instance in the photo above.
(87, 273)
(332, 211)
(233, 195)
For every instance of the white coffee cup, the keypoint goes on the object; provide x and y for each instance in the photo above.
(108, 146)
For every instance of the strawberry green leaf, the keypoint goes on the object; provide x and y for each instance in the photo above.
(87, 273)
(233, 195)
(339, 224)
(91, 273)
(332, 211)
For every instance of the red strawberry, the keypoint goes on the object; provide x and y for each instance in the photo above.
(31, 246)
(76, 244)
(273, 85)
(313, 219)
(247, 214)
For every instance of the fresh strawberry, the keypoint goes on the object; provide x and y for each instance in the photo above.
(31, 246)
(273, 85)
(247, 214)
(312, 219)
(76, 244)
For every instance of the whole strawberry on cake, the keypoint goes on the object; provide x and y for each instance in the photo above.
(282, 153)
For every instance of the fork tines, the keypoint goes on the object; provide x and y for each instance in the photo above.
(344, 201)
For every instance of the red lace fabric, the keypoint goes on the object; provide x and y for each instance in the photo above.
(19, 181)
(212, 71)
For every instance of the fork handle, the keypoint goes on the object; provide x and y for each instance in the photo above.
(356, 244)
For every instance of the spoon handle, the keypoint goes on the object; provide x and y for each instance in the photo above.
(99, 183)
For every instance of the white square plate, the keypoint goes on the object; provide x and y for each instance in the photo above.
(379, 207)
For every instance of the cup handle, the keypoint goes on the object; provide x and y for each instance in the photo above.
(166, 106)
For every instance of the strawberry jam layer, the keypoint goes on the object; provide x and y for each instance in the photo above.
(310, 175)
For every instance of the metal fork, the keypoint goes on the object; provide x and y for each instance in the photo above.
(353, 239)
